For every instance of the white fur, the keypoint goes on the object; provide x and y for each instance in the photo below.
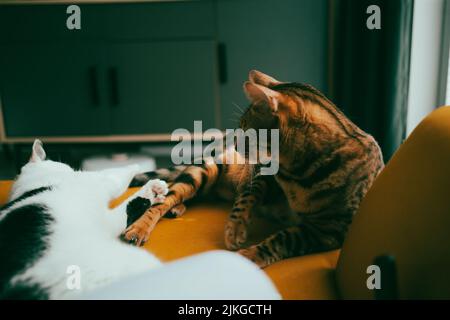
(85, 232)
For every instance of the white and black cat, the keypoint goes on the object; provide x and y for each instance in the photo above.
(59, 218)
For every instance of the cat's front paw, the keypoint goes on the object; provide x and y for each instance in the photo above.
(235, 234)
(253, 255)
(159, 189)
(154, 190)
(138, 232)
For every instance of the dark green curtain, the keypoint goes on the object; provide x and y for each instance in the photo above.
(370, 68)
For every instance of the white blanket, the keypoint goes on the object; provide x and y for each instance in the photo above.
(214, 275)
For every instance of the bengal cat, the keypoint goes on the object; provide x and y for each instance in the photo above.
(326, 166)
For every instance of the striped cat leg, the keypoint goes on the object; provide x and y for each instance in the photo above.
(193, 180)
(295, 241)
(239, 218)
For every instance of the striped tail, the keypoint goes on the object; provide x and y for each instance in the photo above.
(169, 175)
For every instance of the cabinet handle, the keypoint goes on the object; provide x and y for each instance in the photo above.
(93, 86)
(114, 86)
(222, 61)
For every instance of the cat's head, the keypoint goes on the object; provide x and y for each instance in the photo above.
(38, 162)
(39, 171)
(281, 105)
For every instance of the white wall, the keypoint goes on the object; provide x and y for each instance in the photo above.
(425, 60)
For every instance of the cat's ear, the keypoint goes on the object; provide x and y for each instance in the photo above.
(260, 78)
(38, 152)
(259, 94)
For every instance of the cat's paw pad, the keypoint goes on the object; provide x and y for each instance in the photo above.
(147, 192)
(235, 234)
(159, 187)
(154, 190)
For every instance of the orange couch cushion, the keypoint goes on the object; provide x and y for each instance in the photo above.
(201, 229)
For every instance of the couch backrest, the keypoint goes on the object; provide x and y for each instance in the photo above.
(406, 214)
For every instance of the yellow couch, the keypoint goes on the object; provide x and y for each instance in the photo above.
(406, 214)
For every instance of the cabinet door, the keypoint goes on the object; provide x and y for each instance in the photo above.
(283, 38)
(49, 89)
(161, 86)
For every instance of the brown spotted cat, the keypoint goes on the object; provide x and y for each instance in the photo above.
(326, 166)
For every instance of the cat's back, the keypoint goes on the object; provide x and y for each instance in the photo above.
(48, 233)
(25, 230)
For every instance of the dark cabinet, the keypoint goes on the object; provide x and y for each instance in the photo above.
(49, 89)
(132, 69)
(283, 38)
(120, 89)
(161, 86)
(149, 68)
